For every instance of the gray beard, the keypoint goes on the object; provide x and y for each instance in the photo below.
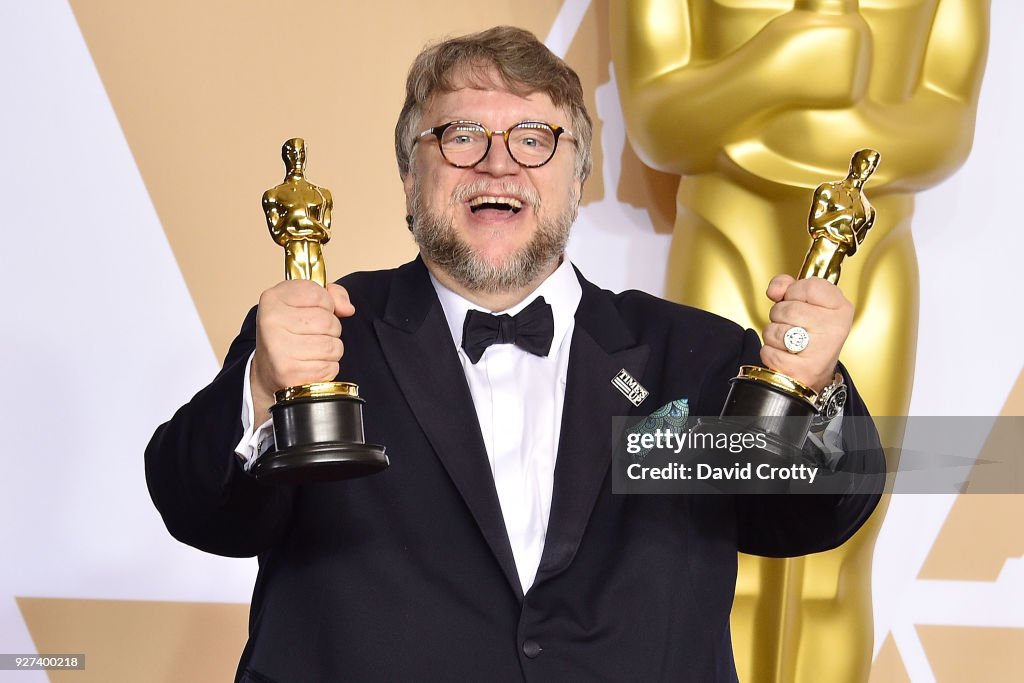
(440, 243)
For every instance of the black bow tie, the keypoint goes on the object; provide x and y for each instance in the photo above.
(531, 329)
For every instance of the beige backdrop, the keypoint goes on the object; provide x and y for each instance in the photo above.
(207, 92)
(204, 94)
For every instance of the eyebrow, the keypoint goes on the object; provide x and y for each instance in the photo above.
(447, 119)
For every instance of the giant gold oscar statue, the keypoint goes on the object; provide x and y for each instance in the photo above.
(752, 103)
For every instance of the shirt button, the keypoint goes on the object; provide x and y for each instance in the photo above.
(531, 648)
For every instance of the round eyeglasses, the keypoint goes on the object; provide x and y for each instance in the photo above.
(465, 143)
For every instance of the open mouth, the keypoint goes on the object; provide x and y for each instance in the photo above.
(489, 206)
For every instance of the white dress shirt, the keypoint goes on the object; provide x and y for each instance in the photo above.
(518, 399)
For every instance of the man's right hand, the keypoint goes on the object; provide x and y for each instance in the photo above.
(298, 339)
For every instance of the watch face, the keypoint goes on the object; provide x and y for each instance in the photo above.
(834, 402)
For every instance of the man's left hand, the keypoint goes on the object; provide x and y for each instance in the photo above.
(819, 307)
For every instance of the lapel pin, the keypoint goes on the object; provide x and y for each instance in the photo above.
(630, 388)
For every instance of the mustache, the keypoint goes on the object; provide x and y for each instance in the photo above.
(463, 193)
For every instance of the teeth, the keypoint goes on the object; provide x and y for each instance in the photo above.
(511, 201)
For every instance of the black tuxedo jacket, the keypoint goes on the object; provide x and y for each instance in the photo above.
(408, 575)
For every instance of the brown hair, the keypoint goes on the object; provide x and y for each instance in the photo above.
(523, 64)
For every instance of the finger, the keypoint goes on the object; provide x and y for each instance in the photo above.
(311, 321)
(785, 362)
(275, 313)
(800, 313)
(330, 372)
(806, 370)
(777, 287)
(301, 294)
(815, 290)
(343, 307)
(318, 348)
(775, 336)
(307, 372)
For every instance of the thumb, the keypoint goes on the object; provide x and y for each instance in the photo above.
(778, 286)
(343, 308)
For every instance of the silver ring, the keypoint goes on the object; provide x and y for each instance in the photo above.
(796, 339)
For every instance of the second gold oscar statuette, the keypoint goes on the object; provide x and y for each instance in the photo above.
(318, 428)
(770, 402)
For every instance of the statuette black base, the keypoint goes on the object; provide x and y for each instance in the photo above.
(756, 406)
(319, 439)
(320, 462)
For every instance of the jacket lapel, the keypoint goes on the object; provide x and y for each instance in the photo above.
(601, 347)
(412, 330)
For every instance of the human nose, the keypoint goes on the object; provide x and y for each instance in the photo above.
(498, 161)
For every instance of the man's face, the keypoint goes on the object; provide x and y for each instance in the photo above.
(482, 247)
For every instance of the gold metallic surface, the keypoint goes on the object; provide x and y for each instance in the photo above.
(752, 102)
(841, 216)
(778, 380)
(317, 390)
(299, 217)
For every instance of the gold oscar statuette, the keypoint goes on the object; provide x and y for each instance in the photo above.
(840, 218)
(318, 428)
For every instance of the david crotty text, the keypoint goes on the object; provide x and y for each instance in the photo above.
(704, 471)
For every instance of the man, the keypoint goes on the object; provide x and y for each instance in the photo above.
(492, 548)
